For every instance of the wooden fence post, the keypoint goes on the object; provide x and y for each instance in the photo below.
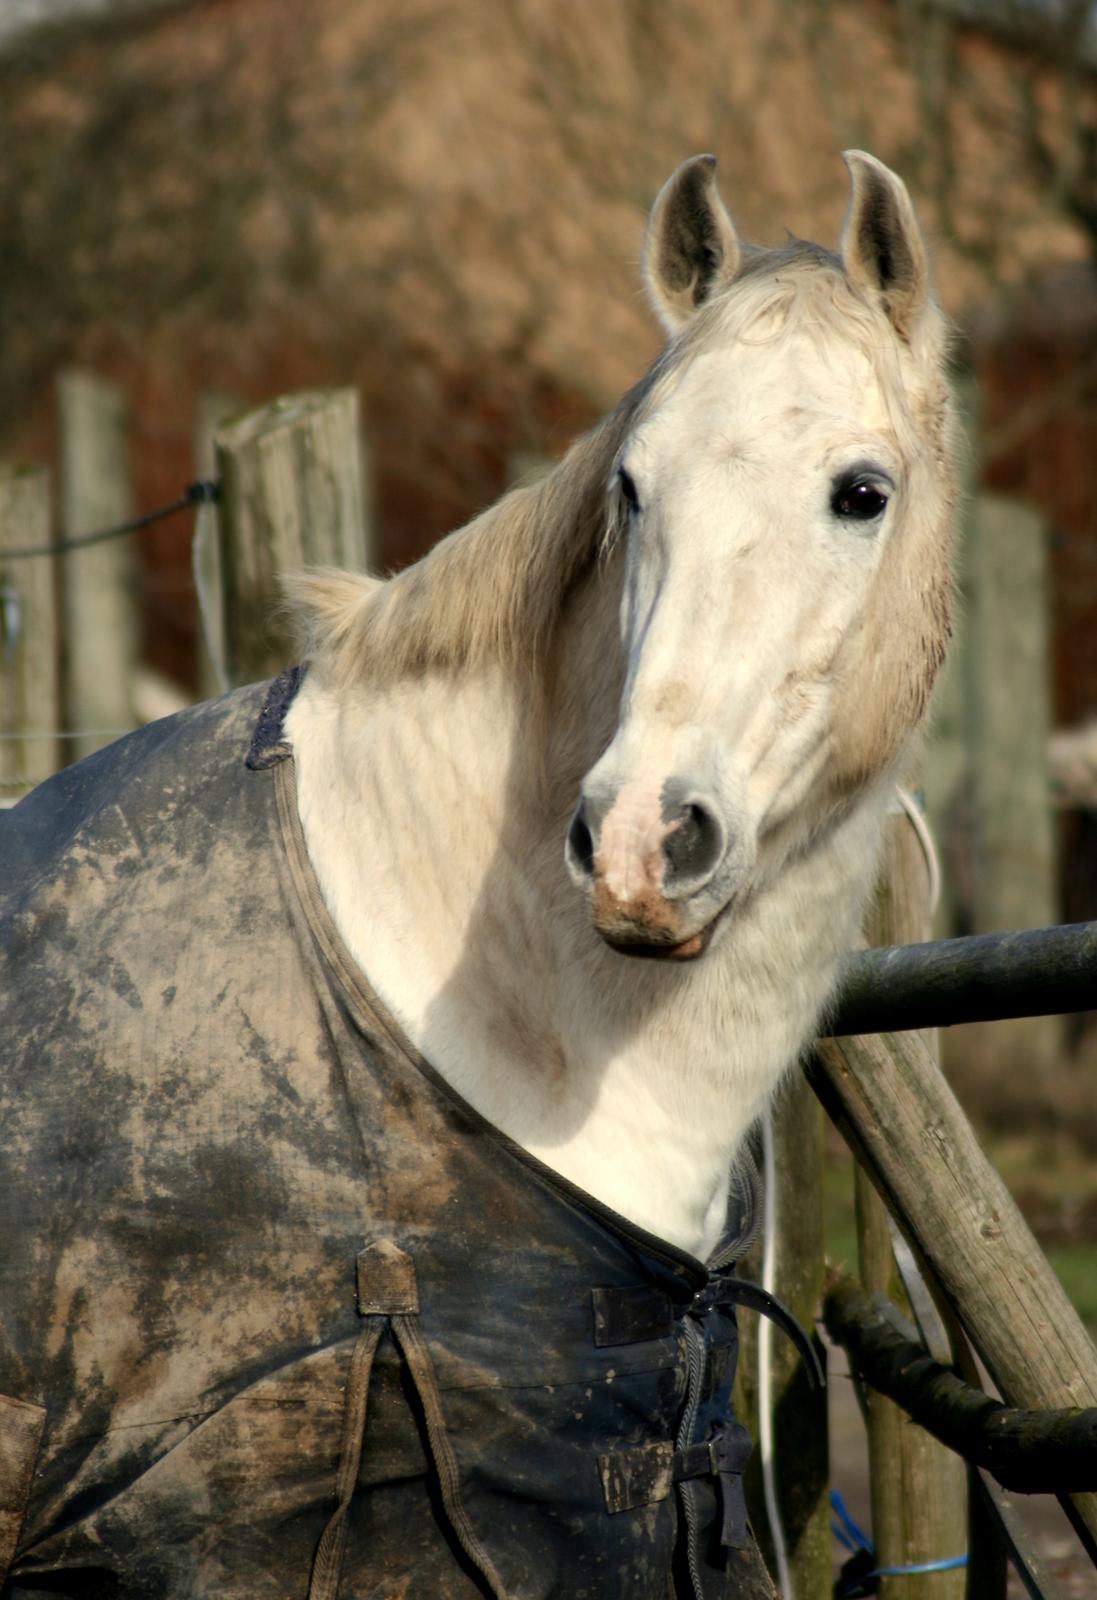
(918, 1487)
(97, 585)
(798, 1415)
(291, 495)
(946, 761)
(213, 411)
(29, 703)
(800, 1438)
(371, 557)
(1012, 842)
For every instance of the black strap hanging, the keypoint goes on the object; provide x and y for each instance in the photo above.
(724, 1456)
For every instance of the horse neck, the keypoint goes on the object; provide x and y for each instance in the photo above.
(435, 810)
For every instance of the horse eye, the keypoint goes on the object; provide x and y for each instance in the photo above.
(628, 489)
(858, 500)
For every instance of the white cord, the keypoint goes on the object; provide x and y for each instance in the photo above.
(765, 1360)
(918, 822)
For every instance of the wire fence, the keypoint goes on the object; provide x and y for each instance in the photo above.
(72, 673)
(200, 493)
(203, 491)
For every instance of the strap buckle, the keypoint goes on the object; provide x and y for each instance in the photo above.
(723, 1456)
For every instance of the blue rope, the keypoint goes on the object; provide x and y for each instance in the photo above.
(855, 1540)
(921, 1566)
(843, 1538)
(853, 1537)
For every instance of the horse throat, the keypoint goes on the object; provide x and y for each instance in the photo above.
(434, 811)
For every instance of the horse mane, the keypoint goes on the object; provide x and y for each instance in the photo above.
(488, 593)
(491, 592)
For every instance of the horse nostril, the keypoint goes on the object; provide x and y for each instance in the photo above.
(580, 845)
(693, 847)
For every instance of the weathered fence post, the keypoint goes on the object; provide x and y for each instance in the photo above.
(371, 559)
(291, 495)
(797, 1415)
(212, 412)
(918, 1487)
(29, 702)
(946, 759)
(1012, 837)
(98, 589)
(1014, 855)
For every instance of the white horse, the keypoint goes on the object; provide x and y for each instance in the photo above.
(654, 705)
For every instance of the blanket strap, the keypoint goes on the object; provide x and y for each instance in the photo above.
(388, 1300)
(724, 1457)
(328, 1561)
(386, 1287)
(21, 1429)
(741, 1292)
(421, 1367)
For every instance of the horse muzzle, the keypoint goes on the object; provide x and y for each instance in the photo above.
(649, 870)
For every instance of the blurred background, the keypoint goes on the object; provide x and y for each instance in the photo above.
(205, 204)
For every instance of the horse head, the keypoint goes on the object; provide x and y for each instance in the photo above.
(783, 496)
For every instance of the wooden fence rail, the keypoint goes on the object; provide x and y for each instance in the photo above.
(1031, 1451)
(994, 976)
(889, 1098)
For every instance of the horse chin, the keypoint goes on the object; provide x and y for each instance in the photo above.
(663, 947)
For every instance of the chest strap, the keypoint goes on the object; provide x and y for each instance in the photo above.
(725, 1453)
(740, 1292)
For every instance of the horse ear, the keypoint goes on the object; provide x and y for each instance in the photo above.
(883, 251)
(691, 246)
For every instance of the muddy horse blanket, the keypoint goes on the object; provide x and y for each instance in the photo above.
(280, 1315)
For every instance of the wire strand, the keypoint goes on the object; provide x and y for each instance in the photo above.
(857, 1541)
(204, 491)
